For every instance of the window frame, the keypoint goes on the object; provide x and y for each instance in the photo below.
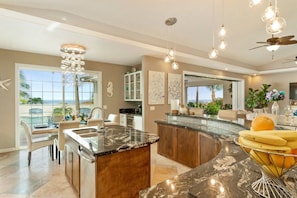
(20, 66)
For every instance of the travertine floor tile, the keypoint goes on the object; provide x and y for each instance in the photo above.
(46, 178)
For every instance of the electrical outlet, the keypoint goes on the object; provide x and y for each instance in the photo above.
(152, 108)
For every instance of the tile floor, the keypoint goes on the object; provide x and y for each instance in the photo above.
(46, 178)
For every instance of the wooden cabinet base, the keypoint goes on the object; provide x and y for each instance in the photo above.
(186, 146)
(123, 174)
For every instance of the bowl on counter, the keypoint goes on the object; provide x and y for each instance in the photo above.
(273, 166)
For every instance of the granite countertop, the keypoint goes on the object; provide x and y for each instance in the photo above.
(229, 174)
(110, 139)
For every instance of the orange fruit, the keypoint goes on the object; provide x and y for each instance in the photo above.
(294, 151)
(282, 161)
(262, 123)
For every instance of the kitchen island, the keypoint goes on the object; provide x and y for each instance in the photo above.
(109, 162)
(228, 174)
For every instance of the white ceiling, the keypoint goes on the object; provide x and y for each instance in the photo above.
(121, 32)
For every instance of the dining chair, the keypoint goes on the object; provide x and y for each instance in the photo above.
(60, 140)
(228, 114)
(34, 144)
(95, 122)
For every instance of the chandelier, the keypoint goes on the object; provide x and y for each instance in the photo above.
(171, 55)
(73, 56)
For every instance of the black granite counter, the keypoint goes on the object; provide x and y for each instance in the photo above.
(110, 139)
(229, 174)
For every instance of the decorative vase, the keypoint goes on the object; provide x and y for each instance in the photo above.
(275, 108)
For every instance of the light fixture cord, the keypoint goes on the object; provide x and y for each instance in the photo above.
(167, 35)
(213, 16)
(223, 12)
(275, 8)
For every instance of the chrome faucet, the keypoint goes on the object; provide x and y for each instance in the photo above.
(92, 111)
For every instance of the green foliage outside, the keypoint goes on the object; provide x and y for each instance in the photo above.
(36, 100)
(211, 108)
(59, 111)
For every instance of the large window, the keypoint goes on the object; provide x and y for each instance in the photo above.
(47, 96)
(204, 94)
(201, 89)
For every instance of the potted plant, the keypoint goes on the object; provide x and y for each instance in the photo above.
(256, 98)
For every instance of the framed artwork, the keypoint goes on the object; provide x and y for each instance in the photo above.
(174, 87)
(156, 88)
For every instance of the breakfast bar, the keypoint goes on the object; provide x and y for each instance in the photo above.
(228, 174)
(109, 162)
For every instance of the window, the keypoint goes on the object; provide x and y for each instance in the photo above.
(204, 94)
(48, 95)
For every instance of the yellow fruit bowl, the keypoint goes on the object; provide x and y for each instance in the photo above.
(273, 165)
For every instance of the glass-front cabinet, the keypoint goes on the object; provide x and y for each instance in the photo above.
(133, 86)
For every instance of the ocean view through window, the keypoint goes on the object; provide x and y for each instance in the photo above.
(47, 96)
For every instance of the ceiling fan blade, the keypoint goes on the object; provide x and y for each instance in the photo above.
(273, 40)
(261, 42)
(285, 38)
(258, 47)
(290, 42)
(289, 61)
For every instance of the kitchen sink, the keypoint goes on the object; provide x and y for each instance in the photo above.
(87, 135)
(84, 130)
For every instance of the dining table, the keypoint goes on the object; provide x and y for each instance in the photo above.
(50, 130)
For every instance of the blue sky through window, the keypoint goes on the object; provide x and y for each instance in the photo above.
(48, 86)
(204, 94)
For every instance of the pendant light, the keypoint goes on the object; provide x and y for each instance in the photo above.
(253, 3)
(213, 52)
(276, 24)
(269, 13)
(171, 55)
(223, 31)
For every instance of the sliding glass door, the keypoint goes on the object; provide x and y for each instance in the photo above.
(46, 96)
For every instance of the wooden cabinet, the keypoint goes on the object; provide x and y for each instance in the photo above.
(72, 166)
(109, 175)
(167, 141)
(209, 147)
(186, 146)
(133, 86)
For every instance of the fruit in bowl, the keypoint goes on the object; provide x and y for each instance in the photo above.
(275, 151)
(271, 148)
(262, 122)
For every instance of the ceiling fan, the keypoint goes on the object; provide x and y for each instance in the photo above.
(273, 43)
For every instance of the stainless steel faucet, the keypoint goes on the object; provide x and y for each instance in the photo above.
(92, 111)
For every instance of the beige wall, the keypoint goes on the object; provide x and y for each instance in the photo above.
(115, 74)
(8, 59)
(279, 81)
